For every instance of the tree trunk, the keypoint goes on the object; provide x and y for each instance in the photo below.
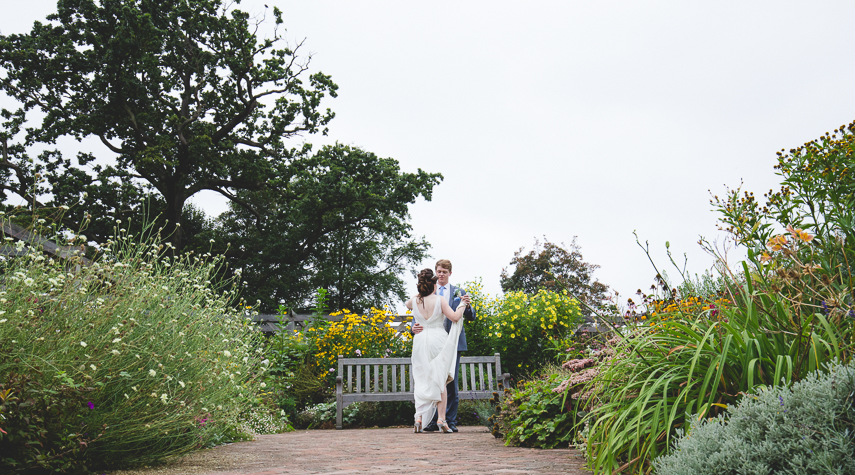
(172, 232)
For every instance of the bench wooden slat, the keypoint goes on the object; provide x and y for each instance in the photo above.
(359, 378)
(475, 395)
(368, 378)
(481, 377)
(364, 361)
(477, 359)
(472, 374)
(377, 378)
(402, 380)
(385, 378)
(349, 378)
(380, 397)
(462, 379)
(499, 373)
(489, 377)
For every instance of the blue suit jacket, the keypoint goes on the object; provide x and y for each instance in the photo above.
(469, 314)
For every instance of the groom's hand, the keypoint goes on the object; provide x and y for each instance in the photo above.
(417, 329)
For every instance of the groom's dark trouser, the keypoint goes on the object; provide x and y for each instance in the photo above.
(452, 400)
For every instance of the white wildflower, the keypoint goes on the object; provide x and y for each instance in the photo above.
(152, 372)
(83, 344)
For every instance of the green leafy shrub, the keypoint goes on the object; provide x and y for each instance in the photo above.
(134, 358)
(356, 415)
(474, 412)
(523, 328)
(291, 385)
(537, 414)
(42, 424)
(806, 428)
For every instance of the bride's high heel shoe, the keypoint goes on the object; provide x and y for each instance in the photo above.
(417, 427)
(443, 427)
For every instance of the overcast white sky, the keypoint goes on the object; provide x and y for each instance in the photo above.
(571, 118)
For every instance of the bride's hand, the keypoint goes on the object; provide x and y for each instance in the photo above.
(466, 300)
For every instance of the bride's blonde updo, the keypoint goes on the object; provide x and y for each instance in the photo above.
(426, 285)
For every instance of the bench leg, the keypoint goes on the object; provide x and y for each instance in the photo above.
(338, 403)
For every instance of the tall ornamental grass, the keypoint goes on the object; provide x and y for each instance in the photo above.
(790, 315)
(131, 359)
(688, 367)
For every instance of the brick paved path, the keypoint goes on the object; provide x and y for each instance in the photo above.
(471, 451)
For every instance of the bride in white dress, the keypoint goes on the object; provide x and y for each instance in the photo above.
(434, 351)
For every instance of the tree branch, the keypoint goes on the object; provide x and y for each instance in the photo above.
(244, 204)
(110, 146)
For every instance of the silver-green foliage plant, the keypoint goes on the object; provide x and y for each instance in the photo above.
(806, 428)
(149, 359)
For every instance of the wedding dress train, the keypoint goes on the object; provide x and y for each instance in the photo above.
(434, 359)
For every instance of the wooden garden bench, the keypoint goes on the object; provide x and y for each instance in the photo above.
(391, 379)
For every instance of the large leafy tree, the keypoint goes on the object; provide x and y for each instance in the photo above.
(182, 93)
(339, 222)
(555, 267)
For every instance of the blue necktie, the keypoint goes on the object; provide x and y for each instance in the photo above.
(442, 290)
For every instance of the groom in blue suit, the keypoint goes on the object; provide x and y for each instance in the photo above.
(444, 289)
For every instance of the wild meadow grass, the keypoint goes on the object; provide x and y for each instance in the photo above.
(131, 359)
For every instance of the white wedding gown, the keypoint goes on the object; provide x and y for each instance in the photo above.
(434, 359)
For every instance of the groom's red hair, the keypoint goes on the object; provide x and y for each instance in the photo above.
(444, 263)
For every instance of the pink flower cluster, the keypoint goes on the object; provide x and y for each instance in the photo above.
(577, 381)
(578, 365)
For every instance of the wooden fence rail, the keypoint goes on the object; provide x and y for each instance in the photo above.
(65, 252)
